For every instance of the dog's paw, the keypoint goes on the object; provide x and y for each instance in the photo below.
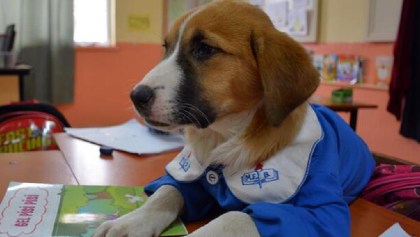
(230, 224)
(159, 211)
(127, 226)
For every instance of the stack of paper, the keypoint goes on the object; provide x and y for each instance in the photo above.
(131, 136)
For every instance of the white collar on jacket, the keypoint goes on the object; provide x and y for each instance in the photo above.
(276, 180)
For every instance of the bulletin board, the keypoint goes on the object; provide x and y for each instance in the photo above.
(297, 18)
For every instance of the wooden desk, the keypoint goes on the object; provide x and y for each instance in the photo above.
(86, 166)
(351, 107)
(122, 168)
(89, 167)
(369, 219)
(34, 167)
(21, 71)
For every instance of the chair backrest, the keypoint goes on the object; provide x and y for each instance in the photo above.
(29, 127)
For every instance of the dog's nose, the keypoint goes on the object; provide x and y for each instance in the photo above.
(142, 96)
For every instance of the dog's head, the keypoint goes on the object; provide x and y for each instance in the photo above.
(222, 59)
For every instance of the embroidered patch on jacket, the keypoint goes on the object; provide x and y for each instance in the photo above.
(260, 176)
(185, 162)
(185, 167)
(280, 177)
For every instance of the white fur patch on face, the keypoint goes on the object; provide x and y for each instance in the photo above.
(164, 80)
(170, 96)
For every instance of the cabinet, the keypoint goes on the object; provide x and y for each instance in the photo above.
(383, 18)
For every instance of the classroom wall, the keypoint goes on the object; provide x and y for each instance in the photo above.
(139, 21)
(378, 128)
(342, 28)
(104, 77)
(342, 21)
(103, 82)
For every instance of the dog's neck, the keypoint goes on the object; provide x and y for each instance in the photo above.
(244, 139)
(233, 124)
(206, 142)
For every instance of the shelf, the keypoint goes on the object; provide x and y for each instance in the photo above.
(357, 86)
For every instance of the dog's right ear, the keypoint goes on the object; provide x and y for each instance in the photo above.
(286, 71)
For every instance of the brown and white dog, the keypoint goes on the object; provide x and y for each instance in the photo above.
(239, 90)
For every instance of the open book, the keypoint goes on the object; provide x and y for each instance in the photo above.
(30, 209)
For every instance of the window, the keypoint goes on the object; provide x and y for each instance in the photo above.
(94, 22)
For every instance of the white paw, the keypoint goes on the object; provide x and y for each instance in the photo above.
(149, 220)
(230, 224)
(130, 225)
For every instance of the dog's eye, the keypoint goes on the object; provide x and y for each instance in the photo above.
(203, 51)
(165, 45)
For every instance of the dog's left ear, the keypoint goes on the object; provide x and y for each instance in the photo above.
(286, 70)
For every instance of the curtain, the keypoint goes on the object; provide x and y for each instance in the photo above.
(44, 40)
(404, 90)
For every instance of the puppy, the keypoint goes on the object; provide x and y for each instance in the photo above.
(256, 150)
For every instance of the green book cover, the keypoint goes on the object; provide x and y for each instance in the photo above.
(30, 209)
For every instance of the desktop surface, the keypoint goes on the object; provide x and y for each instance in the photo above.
(80, 162)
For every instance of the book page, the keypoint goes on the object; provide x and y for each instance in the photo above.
(34, 210)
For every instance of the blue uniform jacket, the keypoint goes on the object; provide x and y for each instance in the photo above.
(302, 191)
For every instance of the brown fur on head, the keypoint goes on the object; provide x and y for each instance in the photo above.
(235, 83)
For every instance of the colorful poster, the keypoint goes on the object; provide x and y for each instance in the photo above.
(348, 68)
(297, 22)
(259, 3)
(301, 4)
(33, 210)
(277, 11)
(330, 67)
(383, 70)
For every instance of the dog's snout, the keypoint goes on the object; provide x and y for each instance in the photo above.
(142, 96)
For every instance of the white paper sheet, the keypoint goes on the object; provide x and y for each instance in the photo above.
(395, 231)
(131, 137)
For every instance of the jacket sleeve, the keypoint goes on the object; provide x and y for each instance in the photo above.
(318, 210)
(197, 202)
